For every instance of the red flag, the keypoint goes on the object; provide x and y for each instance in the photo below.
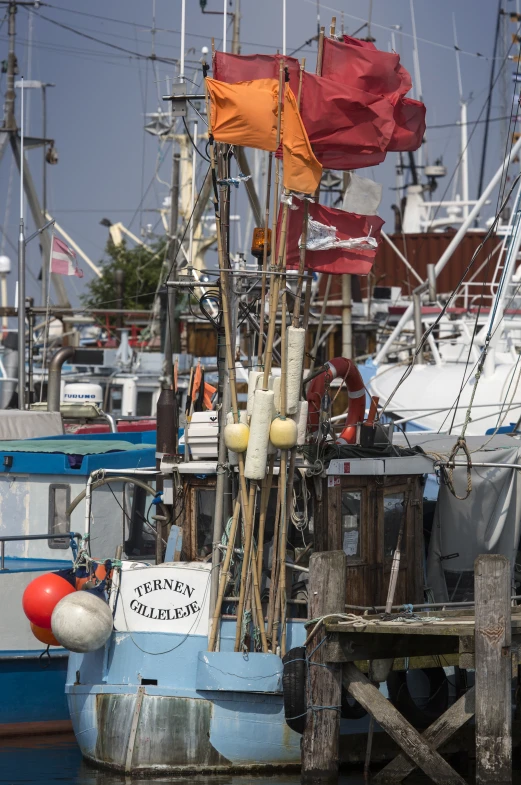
(359, 64)
(245, 68)
(345, 124)
(409, 116)
(342, 226)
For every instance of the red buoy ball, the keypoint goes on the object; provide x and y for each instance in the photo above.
(41, 597)
(43, 635)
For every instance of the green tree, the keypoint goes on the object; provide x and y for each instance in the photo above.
(142, 269)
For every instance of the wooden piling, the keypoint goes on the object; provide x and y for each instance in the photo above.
(327, 593)
(493, 670)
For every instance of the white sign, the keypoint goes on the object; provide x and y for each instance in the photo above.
(170, 598)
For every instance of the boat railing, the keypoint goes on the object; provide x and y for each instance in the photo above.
(22, 537)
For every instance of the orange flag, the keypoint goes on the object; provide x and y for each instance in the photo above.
(302, 171)
(245, 114)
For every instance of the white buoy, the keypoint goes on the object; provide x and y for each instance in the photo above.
(295, 342)
(276, 394)
(257, 453)
(301, 418)
(82, 622)
(253, 378)
(233, 457)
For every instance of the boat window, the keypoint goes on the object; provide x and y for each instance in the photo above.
(351, 518)
(59, 521)
(144, 403)
(394, 510)
(116, 400)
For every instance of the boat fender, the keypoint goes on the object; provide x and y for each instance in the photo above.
(347, 371)
(294, 688)
(420, 715)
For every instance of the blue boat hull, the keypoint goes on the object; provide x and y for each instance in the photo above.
(161, 702)
(33, 695)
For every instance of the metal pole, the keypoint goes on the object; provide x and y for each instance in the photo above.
(21, 270)
(347, 326)
(183, 29)
(9, 116)
(225, 20)
(45, 259)
(445, 257)
(192, 201)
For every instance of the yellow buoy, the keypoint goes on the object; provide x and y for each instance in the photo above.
(283, 433)
(236, 436)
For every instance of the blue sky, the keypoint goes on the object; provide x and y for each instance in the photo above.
(96, 111)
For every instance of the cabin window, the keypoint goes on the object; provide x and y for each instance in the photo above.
(394, 511)
(351, 518)
(144, 403)
(116, 401)
(59, 521)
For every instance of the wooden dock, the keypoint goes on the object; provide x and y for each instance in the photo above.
(484, 639)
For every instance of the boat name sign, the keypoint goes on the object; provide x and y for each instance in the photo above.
(164, 599)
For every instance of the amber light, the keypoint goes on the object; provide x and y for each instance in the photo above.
(257, 244)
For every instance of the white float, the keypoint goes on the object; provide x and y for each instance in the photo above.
(257, 453)
(82, 622)
(295, 343)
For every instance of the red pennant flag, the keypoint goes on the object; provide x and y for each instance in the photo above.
(359, 64)
(345, 124)
(409, 116)
(245, 68)
(332, 227)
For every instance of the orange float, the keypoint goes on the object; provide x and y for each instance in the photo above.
(44, 636)
(41, 597)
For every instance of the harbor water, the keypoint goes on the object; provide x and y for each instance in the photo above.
(56, 760)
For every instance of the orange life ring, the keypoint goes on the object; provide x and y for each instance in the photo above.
(349, 373)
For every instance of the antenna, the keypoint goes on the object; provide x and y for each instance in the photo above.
(464, 159)
(183, 33)
(283, 27)
(21, 266)
(456, 48)
(225, 24)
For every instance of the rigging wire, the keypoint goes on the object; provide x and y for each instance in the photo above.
(167, 60)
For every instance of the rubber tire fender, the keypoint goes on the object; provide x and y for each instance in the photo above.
(294, 688)
(401, 698)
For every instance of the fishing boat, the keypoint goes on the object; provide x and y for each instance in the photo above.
(43, 474)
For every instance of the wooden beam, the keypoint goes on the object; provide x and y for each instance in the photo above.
(390, 719)
(436, 734)
(327, 594)
(492, 647)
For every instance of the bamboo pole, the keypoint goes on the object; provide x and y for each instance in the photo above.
(223, 580)
(320, 51)
(274, 566)
(275, 283)
(264, 501)
(235, 409)
(333, 27)
(265, 255)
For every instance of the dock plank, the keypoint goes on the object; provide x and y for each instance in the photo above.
(402, 732)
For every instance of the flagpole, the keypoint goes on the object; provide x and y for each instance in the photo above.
(247, 504)
(21, 269)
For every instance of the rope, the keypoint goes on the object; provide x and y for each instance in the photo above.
(461, 444)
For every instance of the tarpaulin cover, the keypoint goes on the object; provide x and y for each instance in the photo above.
(488, 521)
